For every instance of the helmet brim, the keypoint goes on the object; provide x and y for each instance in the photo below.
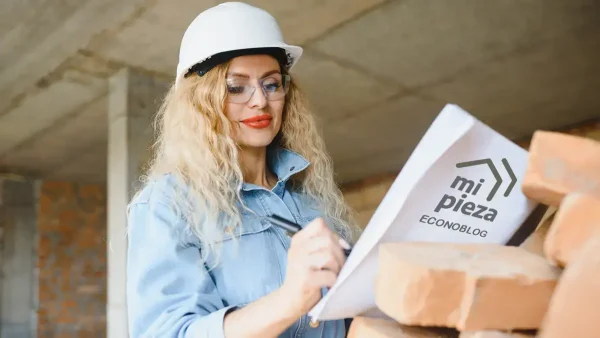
(294, 53)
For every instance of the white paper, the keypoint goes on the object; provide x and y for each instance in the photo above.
(432, 180)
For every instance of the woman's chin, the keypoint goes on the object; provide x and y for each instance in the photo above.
(255, 138)
(256, 141)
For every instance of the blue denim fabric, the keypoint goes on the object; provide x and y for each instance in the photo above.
(170, 294)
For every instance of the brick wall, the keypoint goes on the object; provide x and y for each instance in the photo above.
(72, 260)
(364, 196)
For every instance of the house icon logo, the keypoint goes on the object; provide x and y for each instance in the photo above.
(469, 186)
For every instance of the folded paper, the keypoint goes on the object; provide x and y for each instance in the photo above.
(461, 184)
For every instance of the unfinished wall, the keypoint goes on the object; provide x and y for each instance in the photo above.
(18, 204)
(364, 196)
(72, 260)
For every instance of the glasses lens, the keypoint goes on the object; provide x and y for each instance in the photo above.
(238, 92)
(274, 88)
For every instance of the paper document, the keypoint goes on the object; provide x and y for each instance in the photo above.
(461, 184)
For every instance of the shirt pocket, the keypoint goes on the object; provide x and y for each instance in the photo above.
(250, 266)
(305, 211)
(307, 215)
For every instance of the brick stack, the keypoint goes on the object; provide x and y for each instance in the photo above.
(547, 288)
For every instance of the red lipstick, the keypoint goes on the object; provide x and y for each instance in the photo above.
(258, 122)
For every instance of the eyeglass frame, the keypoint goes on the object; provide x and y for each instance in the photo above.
(285, 82)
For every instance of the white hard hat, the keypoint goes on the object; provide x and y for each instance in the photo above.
(231, 27)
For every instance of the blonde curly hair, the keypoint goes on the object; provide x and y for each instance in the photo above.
(194, 144)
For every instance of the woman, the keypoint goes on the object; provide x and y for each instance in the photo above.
(235, 143)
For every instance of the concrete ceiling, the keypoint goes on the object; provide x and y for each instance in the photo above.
(376, 71)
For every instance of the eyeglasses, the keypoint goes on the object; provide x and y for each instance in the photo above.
(240, 90)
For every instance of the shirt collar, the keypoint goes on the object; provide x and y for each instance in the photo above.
(284, 163)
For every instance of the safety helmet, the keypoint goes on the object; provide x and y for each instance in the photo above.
(232, 29)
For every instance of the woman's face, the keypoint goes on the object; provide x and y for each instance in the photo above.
(255, 99)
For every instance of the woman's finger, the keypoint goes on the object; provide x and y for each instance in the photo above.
(319, 243)
(315, 228)
(324, 260)
(339, 255)
(342, 242)
(322, 278)
(326, 244)
(330, 243)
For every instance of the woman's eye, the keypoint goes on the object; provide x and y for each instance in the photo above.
(273, 86)
(235, 89)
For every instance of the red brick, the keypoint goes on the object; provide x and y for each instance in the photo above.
(86, 236)
(576, 220)
(42, 316)
(65, 315)
(467, 286)
(45, 205)
(46, 293)
(44, 247)
(66, 335)
(535, 242)
(93, 192)
(559, 164)
(363, 327)
(573, 307)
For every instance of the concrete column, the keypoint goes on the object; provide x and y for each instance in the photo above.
(18, 223)
(133, 101)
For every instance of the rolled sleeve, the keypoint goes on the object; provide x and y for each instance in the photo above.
(169, 292)
(209, 326)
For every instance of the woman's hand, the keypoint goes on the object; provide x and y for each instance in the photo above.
(315, 258)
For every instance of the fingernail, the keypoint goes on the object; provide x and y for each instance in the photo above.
(344, 244)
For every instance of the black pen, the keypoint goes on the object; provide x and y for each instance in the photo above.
(292, 227)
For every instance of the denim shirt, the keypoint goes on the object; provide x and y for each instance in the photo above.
(171, 294)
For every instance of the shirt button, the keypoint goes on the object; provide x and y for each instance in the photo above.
(292, 168)
(314, 324)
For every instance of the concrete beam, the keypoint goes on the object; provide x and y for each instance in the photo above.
(39, 50)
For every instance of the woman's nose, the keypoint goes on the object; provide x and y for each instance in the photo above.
(258, 99)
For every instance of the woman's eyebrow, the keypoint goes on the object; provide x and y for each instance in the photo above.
(274, 71)
(233, 74)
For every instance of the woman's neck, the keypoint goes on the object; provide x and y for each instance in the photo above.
(253, 162)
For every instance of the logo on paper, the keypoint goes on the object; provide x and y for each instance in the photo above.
(469, 187)
(458, 199)
(468, 184)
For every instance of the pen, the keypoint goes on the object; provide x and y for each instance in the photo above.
(292, 227)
